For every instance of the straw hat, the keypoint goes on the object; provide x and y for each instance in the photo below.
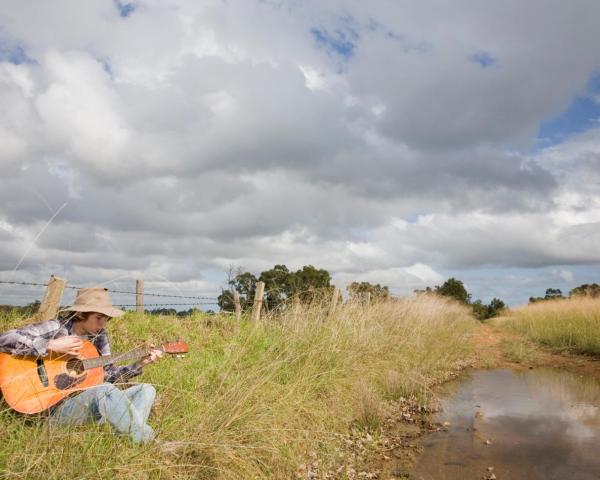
(94, 300)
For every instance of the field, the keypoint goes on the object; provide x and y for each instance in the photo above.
(258, 401)
(563, 325)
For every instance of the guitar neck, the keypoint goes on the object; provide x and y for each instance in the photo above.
(109, 359)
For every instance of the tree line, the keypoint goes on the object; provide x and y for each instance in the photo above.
(455, 289)
(585, 290)
(306, 284)
(309, 283)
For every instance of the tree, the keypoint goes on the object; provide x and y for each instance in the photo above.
(553, 293)
(426, 290)
(455, 289)
(586, 290)
(360, 290)
(277, 285)
(245, 284)
(309, 282)
(280, 285)
(495, 307)
(479, 310)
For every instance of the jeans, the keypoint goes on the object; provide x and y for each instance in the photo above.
(126, 410)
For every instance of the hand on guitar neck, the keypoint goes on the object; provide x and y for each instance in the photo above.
(153, 355)
(72, 345)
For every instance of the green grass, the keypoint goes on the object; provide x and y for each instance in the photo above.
(563, 325)
(517, 351)
(254, 402)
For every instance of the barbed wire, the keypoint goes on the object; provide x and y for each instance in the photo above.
(167, 304)
(73, 287)
(24, 283)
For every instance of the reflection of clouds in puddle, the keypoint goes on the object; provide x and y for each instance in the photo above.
(543, 423)
(550, 394)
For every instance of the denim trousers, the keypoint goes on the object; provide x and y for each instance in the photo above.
(126, 410)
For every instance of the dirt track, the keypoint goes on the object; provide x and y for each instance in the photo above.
(490, 352)
(489, 340)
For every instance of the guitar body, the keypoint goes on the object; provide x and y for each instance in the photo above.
(32, 385)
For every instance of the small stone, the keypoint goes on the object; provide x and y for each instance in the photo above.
(490, 469)
(488, 442)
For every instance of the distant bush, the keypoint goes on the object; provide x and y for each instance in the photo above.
(455, 289)
(586, 290)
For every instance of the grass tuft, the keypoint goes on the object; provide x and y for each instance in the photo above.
(563, 325)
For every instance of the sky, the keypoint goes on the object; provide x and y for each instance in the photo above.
(396, 142)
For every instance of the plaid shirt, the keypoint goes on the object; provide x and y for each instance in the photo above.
(32, 341)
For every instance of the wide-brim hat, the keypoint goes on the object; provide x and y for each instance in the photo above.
(94, 300)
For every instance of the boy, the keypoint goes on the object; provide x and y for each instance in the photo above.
(126, 410)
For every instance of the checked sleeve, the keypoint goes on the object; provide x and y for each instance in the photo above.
(31, 340)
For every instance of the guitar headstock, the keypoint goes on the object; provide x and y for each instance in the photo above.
(177, 347)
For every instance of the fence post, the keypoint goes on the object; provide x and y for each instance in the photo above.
(139, 296)
(51, 302)
(258, 301)
(238, 306)
(334, 300)
(368, 299)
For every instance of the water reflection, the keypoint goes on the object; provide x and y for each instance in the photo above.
(537, 424)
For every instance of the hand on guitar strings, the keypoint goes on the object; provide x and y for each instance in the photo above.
(153, 355)
(70, 345)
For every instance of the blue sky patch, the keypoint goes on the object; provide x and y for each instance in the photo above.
(15, 55)
(582, 114)
(408, 45)
(125, 9)
(338, 42)
(484, 59)
(106, 65)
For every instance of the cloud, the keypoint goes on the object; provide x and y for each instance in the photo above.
(365, 140)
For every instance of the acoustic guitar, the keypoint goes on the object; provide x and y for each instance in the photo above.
(34, 384)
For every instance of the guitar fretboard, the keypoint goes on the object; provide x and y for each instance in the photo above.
(109, 359)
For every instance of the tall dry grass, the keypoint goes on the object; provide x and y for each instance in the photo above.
(251, 402)
(570, 324)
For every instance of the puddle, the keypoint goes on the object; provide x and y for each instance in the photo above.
(540, 424)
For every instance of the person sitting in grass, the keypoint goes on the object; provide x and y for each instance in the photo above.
(126, 410)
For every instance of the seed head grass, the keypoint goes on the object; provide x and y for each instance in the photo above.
(250, 400)
(564, 325)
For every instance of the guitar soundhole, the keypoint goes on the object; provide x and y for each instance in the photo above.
(74, 366)
(72, 378)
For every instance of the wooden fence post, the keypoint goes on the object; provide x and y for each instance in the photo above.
(368, 299)
(238, 306)
(51, 302)
(334, 300)
(258, 301)
(139, 296)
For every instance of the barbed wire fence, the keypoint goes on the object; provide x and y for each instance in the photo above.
(201, 300)
(56, 286)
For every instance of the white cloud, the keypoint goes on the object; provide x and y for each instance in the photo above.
(235, 137)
